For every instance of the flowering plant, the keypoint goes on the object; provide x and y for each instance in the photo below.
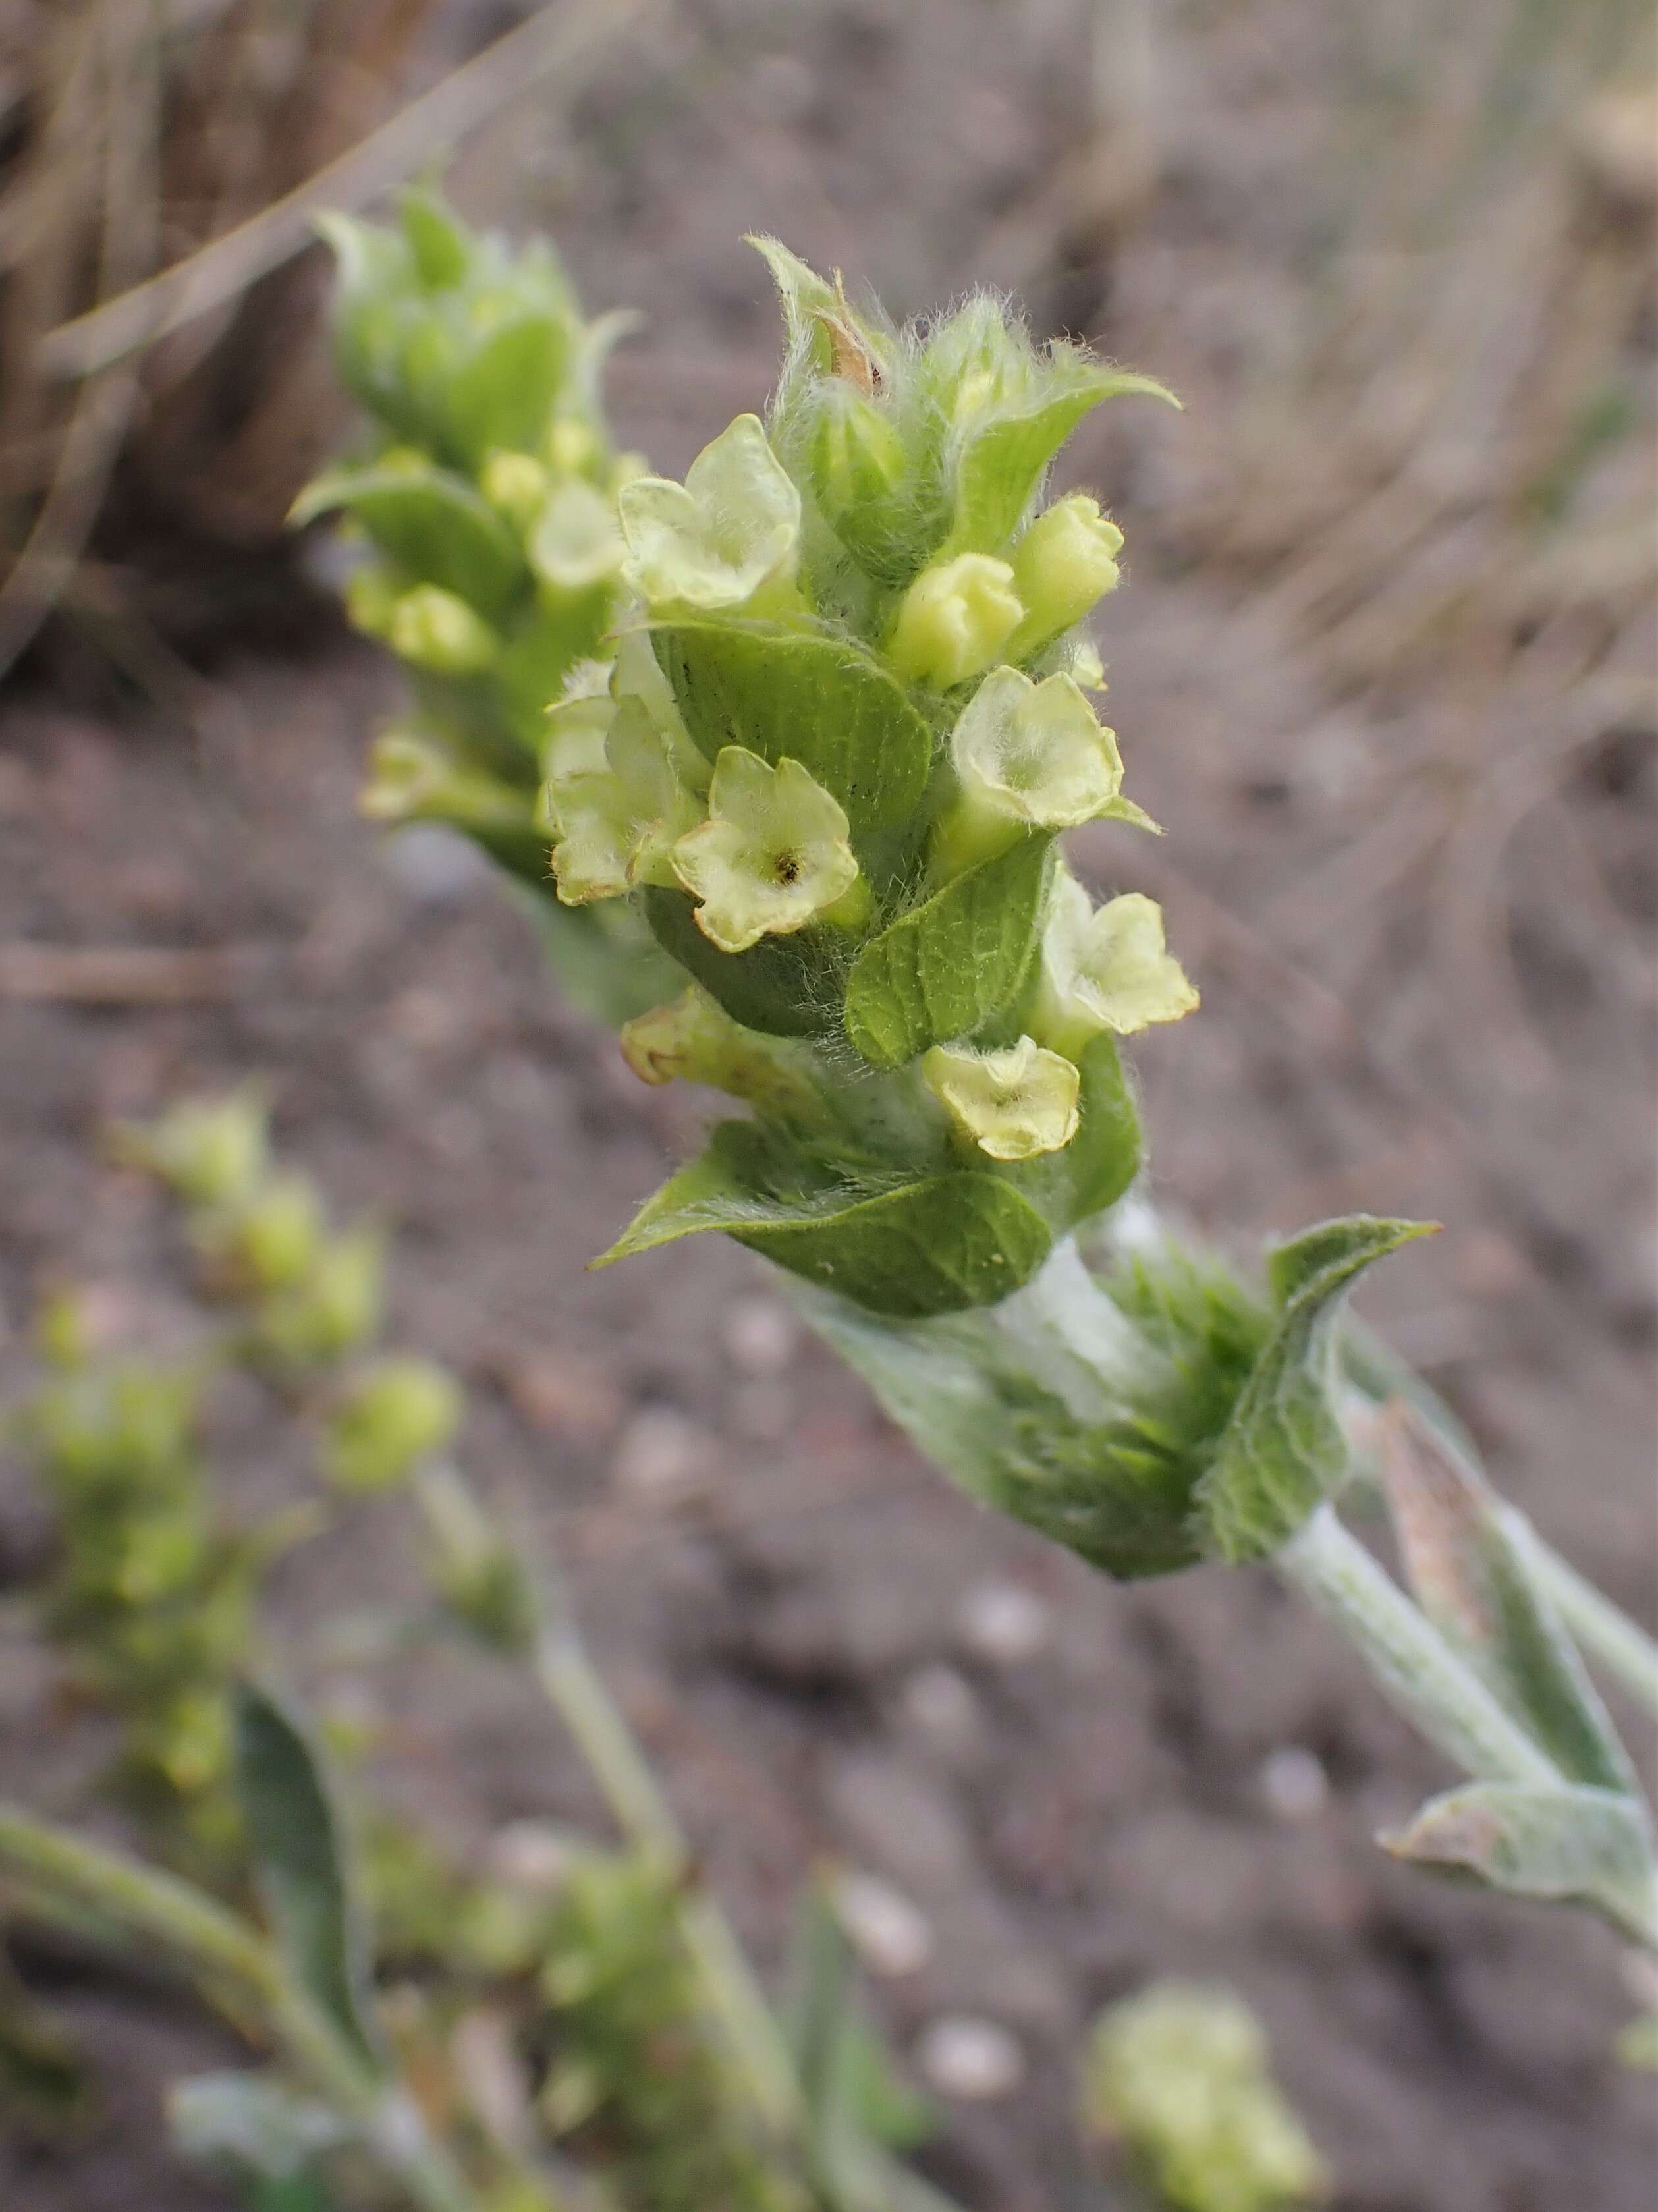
(803, 734)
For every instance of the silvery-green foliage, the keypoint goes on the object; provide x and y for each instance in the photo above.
(819, 743)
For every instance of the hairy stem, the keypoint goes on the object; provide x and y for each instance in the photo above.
(576, 1690)
(1414, 1666)
(1602, 1630)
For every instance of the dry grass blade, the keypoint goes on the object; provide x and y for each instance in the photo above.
(125, 974)
(568, 37)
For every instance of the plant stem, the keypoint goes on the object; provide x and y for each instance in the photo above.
(220, 1947)
(1602, 1630)
(576, 1690)
(1415, 1667)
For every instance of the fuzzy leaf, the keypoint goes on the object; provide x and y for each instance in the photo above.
(500, 393)
(783, 987)
(948, 965)
(940, 1245)
(1002, 465)
(853, 2093)
(827, 704)
(1470, 1580)
(1283, 1449)
(1579, 1845)
(301, 1864)
(435, 527)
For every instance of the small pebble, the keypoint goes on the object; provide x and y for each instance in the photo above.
(969, 2058)
(759, 1336)
(435, 865)
(1294, 1783)
(661, 1457)
(530, 1854)
(763, 1412)
(941, 1703)
(1004, 1622)
(890, 1935)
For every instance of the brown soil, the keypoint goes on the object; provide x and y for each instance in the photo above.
(780, 1589)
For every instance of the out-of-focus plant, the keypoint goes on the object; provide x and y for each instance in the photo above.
(845, 720)
(483, 502)
(484, 2038)
(1180, 2079)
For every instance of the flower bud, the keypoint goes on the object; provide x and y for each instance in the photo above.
(1106, 969)
(856, 457)
(372, 593)
(576, 541)
(338, 1306)
(953, 621)
(413, 778)
(479, 1575)
(210, 1151)
(775, 851)
(515, 485)
(1028, 757)
(694, 1040)
(272, 1239)
(1065, 562)
(396, 1414)
(436, 630)
(1012, 1104)
(572, 448)
(731, 527)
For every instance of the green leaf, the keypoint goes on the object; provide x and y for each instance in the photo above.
(1284, 1450)
(500, 393)
(441, 246)
(435, 527)
(1570, 1845)
(853, 2093)
(947, 966)
(1096, 1167)
(1470, 1578)
(937, 1246)
(796, 695)
(302, 1862)
(786, 987)
(1001, 466)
